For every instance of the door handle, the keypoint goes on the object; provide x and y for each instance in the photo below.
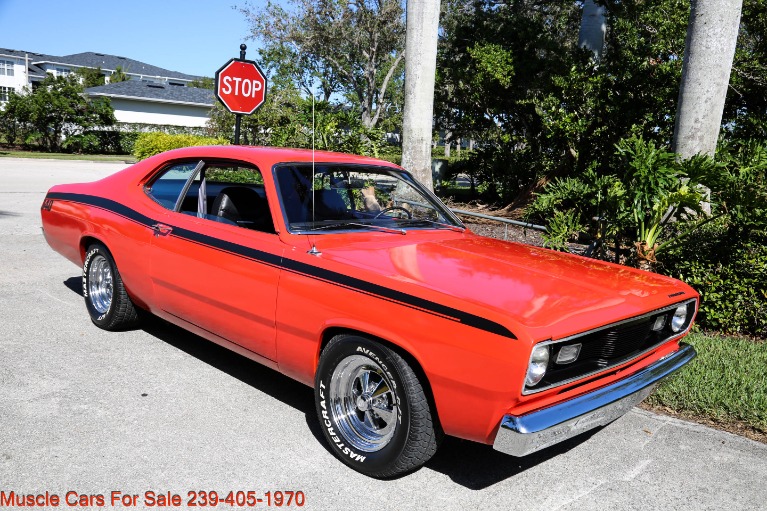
(162, 229)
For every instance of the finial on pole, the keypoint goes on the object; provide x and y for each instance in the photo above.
(242, 51)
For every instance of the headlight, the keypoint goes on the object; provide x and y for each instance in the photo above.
(679, 319)
(537, 367)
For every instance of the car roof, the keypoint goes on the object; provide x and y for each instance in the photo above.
(272, 155)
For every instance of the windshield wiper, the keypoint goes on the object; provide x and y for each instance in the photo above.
(357, 224)
(434, 223)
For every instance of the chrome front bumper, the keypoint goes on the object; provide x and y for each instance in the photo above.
(525, 434)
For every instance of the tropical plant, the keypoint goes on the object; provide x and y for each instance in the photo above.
(118, 75)
(653, 193)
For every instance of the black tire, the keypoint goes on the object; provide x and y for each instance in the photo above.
(108, 304)
(359, 425)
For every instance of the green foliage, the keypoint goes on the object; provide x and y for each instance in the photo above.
(511, 75)
(118, 75)
(149, 144)
(102, 142)
(741, 185)
(563, 227)
(91, 77)
(729, 272)
(172, 129)
(745, 113)
(288, 120)
(204, 82)
(53, 112)
(726, 382)
(726, 261)
(723, 256)
(493, 62)
(233, 175)
(651, 189)
(353, 49)
(15, 119)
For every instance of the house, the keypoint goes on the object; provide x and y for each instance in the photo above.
(152, 95)
(137, 102)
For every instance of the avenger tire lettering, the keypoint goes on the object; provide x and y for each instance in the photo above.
(372, 408)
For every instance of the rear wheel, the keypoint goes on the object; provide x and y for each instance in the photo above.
(372, 408)
(107, 302)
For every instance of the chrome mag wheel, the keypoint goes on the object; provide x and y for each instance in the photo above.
(100, 284)
(362, 403)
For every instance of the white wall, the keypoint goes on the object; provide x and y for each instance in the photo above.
(19, 78)
(130, 110)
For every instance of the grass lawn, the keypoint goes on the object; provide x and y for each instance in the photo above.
(66, 156)
(725, 386)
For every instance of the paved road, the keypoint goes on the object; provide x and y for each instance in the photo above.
(161, 410)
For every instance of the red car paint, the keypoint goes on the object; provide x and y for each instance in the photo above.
(466, 308)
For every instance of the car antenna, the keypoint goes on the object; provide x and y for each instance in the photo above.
(313, 251)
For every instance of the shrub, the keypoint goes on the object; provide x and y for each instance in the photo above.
(149, 144)
(638, 204)
(730, 273)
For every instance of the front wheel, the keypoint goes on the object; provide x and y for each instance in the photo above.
(107, 302)
(372, 408)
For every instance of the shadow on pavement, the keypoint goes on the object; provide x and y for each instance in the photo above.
(477, 466)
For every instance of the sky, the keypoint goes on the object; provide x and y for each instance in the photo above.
(190, 36)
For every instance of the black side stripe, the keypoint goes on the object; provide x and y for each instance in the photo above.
(298, 267)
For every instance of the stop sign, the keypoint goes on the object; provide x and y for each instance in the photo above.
(241, 86)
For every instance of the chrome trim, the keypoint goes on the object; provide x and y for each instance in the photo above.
(527, 392)
(525, 434)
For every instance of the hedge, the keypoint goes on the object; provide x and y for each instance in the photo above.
(149, 144)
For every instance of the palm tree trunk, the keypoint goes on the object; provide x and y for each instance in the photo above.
(712, 35)
(593, 28)
(709, 51)
(420, 70)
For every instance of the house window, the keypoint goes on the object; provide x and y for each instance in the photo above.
(6, 67)
(5, 92)
(62, 71)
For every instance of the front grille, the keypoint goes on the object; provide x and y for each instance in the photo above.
(610, 346)
(606, 345)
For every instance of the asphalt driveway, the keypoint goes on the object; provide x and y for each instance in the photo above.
(84, 412)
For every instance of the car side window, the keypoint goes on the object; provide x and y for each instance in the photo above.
(235, 195)
(168, 187)
(224, 193)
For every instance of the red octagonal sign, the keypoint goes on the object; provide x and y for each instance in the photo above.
(241, 86)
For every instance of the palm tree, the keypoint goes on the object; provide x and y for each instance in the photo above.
(420, 70)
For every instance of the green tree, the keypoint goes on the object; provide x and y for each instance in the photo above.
(511, 74)
(15, 119)
(56, 112)
(204, 82)
(118, 75)
(745, 111)
(90, 77)
(352, 48)
(286, 119)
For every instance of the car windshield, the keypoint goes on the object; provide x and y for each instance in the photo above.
(343, 198)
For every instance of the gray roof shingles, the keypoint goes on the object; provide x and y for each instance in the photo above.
(92, 59)
(111, 62)
(154, 92)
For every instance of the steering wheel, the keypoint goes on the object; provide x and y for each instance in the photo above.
(390, 208)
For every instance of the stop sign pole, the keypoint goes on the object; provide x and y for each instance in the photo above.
(240, 86)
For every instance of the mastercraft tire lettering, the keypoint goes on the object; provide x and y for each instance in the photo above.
(372, 408)
(107, 302)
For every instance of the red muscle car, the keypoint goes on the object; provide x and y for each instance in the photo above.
(346, 274)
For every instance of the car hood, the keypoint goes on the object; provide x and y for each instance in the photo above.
(551, 294)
